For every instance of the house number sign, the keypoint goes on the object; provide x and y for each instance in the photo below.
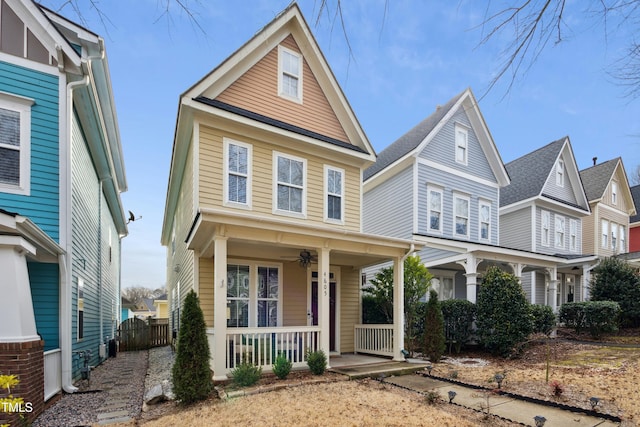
(324, 282)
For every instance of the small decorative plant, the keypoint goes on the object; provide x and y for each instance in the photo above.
(282, 367)
(317, 362)
(556, 388)
(246, 374)
(453, 375)
(432, 397)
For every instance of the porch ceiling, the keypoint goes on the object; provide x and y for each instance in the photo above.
(275, 239)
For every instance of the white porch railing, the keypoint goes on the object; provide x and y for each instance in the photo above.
(374, 339)
(52, 373)
(261, 346)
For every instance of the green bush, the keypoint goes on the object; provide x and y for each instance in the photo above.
(282, 367)
(317, 362)
(246, 374)
(191, 374)
(597, 316)
(615, 280)
(544, 320)
(372, 312)
(434, 345)
(504, 318)
(458, 322)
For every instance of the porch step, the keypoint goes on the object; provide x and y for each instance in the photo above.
(382, 369)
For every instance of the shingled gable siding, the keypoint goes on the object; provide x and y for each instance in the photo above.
(41, 205)
(388, 207)
(441, 149)
(211, 178)
(567, 192)
(257, 91)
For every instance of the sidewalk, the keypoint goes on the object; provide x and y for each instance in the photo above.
(512, 409)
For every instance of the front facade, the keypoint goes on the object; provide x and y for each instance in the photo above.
(634, 222)
(262, 217)
(606, 231)
(61, 219)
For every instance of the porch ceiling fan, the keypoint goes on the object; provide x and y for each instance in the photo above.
(304, 258)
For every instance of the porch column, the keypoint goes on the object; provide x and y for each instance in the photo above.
(553, 288)
(471, 273)
(398, 309)
(219, 350)
(324, 301)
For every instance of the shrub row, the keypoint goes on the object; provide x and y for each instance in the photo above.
(596, 316)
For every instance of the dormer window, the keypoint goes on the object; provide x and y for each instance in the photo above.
(289, 74)
(560, 173)
(462, 136)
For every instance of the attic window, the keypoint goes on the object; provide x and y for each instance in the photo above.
(462, 136)
(289, 74)
(560, 174)
(614, 193)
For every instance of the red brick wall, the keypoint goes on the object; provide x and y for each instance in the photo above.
(26, 361)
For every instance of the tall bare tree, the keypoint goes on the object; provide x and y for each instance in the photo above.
(135, 294)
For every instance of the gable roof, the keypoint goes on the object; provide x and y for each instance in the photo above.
(202, 97)
(530, 173)
(635, 193)
(414, 140)
(596, 178)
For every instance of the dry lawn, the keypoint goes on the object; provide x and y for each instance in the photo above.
(610, 373)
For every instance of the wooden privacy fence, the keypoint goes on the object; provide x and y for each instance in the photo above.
(137, 334)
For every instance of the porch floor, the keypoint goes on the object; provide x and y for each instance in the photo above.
(357, 366)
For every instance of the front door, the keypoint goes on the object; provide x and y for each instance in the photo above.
(332, 307)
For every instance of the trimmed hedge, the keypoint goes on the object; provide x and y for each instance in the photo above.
(544, 320)
(458, 322)
(597, 316)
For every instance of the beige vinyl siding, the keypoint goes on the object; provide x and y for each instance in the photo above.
(294, 295)
(180, 266)
(205, 275)
(617, 218)
(589, 239)
(211, 178)
(349, 307)
(257, 91)
(622, 205)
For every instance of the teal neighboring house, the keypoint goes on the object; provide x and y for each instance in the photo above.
(61, 216)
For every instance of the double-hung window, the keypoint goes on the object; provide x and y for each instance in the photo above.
(289, 182)
(15, 144)
(484, 213)
(462, 136)
(443, 285)
(573, 235)
(546, 228)
(623, 239)
(560, 231)
(605, 234)
(237, 181)
(461, 223)
(614, 193)
(290, 74)
(253, 295)
(334, 197)
(434, 213)
(614, 237)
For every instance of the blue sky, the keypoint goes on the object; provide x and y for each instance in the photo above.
(403, 64)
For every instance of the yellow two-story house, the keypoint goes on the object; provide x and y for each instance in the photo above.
(263, 208)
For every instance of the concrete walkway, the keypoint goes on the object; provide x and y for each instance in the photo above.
(512, 409)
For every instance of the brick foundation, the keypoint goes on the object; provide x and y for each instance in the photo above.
(26, 361)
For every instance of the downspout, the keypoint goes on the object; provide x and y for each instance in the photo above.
(65, 260)
(101, 326)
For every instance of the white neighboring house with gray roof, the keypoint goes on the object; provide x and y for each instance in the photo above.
(440, 185)
(542, 211)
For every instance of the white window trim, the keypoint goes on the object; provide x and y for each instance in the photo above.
(225, 185)
(622, 238)
(436, 189)
(481, 203)
(22, 105)
(545, 241)
(298, 98)
(253, 288)
(328, 168)
(573, 235)
(440, 275)
(455, 214)
(276, 211)
(559, 219)
(560, 170)
(614, 193)
(463, 129)
(614, 236)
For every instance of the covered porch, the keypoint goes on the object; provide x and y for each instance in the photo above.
(276, 287)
